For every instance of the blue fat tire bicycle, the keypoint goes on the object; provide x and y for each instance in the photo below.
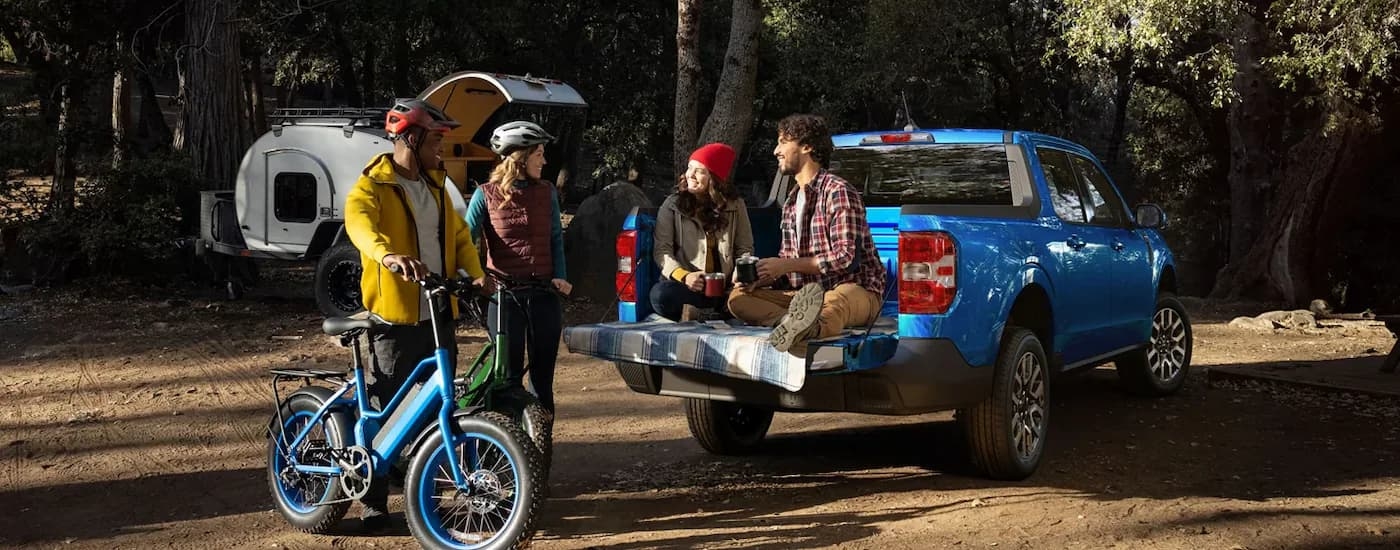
(475, 478)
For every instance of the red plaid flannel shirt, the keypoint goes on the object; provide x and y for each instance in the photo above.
(837, 235)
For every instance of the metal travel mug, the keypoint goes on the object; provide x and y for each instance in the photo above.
(747, 269)
(714, 285)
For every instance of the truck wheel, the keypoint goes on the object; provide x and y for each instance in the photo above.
(1006, 433)
(1161, 367)
(725, 428)
(338, 281)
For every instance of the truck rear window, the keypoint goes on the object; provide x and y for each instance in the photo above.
(929, 174)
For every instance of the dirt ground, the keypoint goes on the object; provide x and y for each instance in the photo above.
(134, 419)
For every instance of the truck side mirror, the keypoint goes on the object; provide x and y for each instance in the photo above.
(1151, 216)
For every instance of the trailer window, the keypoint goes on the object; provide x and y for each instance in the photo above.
(294, 197)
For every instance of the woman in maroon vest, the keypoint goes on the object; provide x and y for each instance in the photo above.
(700, 230)
(516, 217)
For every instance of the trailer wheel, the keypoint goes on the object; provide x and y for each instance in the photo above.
(338, 281)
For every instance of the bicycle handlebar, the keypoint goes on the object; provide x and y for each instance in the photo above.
(463, 283)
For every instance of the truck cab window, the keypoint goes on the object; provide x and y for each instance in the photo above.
(1064, 187)
(1103, 204)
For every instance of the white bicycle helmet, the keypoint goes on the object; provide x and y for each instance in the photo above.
(514, 135)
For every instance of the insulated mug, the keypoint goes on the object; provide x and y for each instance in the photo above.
(714, 285)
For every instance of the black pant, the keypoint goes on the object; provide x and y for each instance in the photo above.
(668, 296)
(397, 351)
(533, 318)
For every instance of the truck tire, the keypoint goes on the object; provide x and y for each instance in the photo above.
(725, 428)
(1161, 367)
(338, 281)
(1006, 433)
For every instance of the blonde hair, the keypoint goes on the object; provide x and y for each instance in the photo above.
(510, 169)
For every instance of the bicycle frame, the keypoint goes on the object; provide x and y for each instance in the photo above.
(384, 434)
(479, 380)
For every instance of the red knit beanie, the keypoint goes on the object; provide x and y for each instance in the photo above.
(718, 158)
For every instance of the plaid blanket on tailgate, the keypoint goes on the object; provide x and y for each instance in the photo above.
(735, 351)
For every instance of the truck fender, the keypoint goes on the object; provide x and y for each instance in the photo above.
(1032, 275)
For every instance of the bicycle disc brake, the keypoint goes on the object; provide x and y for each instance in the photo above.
(356, 472)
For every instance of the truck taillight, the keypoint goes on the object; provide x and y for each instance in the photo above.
(928, 272)
(626, 282)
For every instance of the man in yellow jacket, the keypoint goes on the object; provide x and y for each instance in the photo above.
(400, 217)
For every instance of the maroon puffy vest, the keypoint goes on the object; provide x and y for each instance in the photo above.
(518, 240)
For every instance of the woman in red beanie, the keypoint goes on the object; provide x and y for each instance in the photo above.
(700, 229)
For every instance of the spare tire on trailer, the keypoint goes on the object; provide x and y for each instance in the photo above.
(337, 281)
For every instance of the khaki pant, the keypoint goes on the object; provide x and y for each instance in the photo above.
(848, 305)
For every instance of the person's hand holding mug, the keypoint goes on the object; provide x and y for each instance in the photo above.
(695, 281)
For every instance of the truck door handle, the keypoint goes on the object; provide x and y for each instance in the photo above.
(1117, 245)
(1075, 242)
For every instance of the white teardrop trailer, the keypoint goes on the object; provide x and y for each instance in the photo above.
(289, 198)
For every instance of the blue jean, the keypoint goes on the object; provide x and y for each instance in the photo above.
(668, 297)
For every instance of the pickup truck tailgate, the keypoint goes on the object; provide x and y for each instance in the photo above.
(734, 351)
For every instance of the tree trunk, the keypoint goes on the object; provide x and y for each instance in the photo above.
(1318, 183)
(151, 130)
(61, 194)
(687, 80)
(182, 99)
(259, 106)
(1253, 134)
(344, 59)
(732, 116)
(212, 95)
(1123, 73)
(1015, 106)
(121, 104)
(401, 53)
(370, 53)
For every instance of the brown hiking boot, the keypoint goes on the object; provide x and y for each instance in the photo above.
(800, 323)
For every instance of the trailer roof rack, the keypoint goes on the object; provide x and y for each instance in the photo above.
(358, 116)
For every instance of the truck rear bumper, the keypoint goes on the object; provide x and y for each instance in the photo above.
(925, 375)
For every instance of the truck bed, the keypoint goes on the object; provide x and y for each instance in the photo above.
(731, 350)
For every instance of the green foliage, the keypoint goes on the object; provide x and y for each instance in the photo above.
(1185, 38)
(128, 221)
(1172, 168)
(19, 117)
(1344, 49)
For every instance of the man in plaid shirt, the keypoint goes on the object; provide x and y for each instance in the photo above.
(827, 253)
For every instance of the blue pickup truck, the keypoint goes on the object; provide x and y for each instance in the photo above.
(1011, 258)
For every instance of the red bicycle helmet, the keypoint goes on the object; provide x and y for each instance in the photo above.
(409, 113)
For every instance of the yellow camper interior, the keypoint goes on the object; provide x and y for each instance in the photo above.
(473, 99)
(469, 100)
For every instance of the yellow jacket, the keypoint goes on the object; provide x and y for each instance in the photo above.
(377, 221)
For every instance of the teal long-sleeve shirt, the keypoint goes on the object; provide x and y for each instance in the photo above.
(478, 218)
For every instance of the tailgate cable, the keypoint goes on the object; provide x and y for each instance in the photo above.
(871, 325)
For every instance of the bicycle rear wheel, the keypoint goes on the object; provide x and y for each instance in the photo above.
(299, 495)
(534, 419)
(499, 508)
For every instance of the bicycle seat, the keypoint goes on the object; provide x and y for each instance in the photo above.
(336, 326)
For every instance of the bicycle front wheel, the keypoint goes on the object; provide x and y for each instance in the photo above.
(498, 508)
